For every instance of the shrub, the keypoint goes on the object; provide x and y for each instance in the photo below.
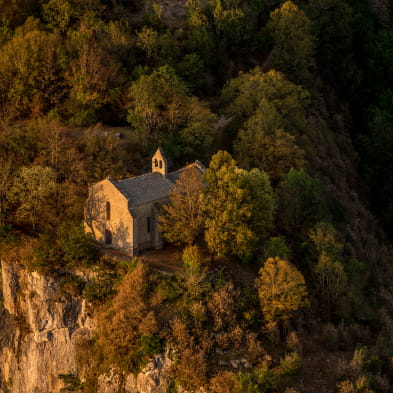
(223, 382)
(290, 364)
(167, 289)
(72, 383)
(71, 285)
(47, 256)
(70, 245)
(7, 234)
(99, 290)
(77, 246)
(261, 380)
(150, 345)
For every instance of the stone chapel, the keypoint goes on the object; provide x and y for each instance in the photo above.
(124, 214)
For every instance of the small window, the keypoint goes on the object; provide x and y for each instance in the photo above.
(156, 162)
(108, 211)
(160, 164)
(148, 224)
(108, 237)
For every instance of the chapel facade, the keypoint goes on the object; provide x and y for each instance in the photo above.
(124, 214)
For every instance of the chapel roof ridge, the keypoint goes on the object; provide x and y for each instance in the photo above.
(150, 186)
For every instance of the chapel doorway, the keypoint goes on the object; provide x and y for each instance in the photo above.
(108, 237)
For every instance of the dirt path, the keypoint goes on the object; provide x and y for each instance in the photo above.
(165, 261)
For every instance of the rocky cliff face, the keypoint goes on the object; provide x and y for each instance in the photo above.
(38, 340)
(45, 331)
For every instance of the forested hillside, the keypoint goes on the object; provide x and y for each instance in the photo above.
(285, 283)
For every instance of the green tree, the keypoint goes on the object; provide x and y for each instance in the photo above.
(294, 44)
(281, 103)
(230, 25)
(200, 38)
(302, 202)
(182, 219)
(271, 150)
(148, 41)
(276, 247)
(239, 206)
(160, 109)
(95, 80)
(335, 32)
(61, 15)
(105, 155)
(15, 12)
(76, 246)
(32, 191)
(31, 71)
(281, 290)
(260, 380)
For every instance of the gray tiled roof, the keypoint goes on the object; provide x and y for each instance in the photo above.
(151, 186)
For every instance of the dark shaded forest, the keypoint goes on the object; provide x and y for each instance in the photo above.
(290, 107)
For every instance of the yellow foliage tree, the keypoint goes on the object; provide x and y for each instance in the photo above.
(281, 289)
(182, 219)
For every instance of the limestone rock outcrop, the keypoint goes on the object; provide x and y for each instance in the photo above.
(46, 328)
(40, 330)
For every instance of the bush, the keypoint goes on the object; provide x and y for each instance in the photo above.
(261, 380)
(167, 289)
(72, 383)
(99, 290)
(150, 345)
(70, 245)
(47, 256)
(84, 117)
(7, 234)
(71, 285)
(290, 364)
(77, 246)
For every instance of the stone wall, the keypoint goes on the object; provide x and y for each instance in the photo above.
(147, 239)
(120, 222)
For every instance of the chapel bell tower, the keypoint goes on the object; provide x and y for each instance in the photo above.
(159, 162)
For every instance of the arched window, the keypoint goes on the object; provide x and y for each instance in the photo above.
(160, 164)
(108, 211)
(156, 162)
(108, 236)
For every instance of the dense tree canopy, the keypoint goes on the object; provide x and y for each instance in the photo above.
(160, 109)
(294, 43)
(299, 92)
(239, 207)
